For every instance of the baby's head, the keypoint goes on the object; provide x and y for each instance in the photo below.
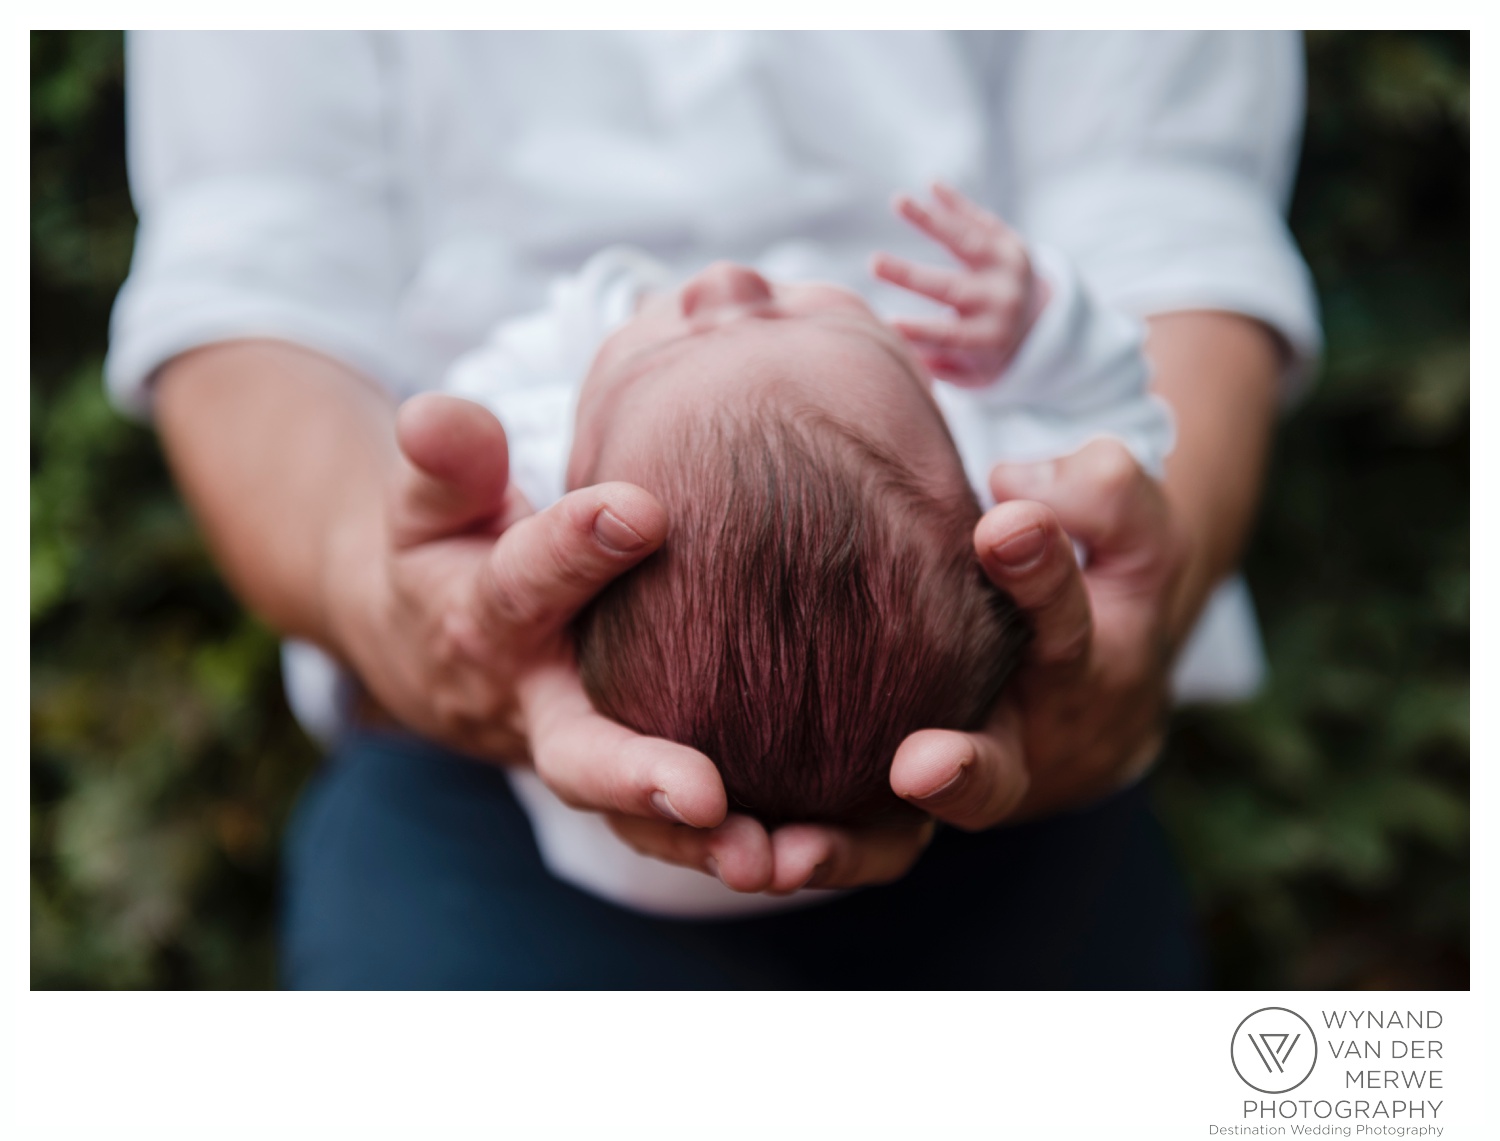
(818, 598)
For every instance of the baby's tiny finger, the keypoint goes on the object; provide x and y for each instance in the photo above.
(943, 285)
(969, 242)
(959, 203)
(944, 336)
(947, 366)
(1004, 242)
(965, 207)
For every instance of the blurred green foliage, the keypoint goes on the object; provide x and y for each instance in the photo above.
(1324, 826)
(163, 759)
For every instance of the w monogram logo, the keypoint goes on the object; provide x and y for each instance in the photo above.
(1273, 1050)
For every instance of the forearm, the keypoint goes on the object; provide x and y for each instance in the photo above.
(1219, 372)
(282, 455)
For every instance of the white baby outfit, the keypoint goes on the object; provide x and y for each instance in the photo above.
(1079, 374)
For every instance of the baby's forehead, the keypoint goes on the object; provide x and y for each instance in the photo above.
(783, 362)
(834, 365)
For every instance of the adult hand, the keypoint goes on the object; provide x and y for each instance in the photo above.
(455, 616)
(478, 591)
(1085, 714)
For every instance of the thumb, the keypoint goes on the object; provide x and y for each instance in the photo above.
(452, 470)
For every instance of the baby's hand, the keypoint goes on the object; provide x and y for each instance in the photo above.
(996, 297)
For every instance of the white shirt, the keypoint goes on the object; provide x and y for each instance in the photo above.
(385, 198)
(1079, 374)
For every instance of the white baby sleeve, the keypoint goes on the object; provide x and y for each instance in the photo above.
(1079, 374)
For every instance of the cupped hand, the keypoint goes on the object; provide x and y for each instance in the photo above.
(995, 295)
(1085, 714)
(748, 858)
(454, 608)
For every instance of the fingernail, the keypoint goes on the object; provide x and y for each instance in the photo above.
(613, 533)
(946, 787)
(1022, 551)
(713, 868)
(660, 802)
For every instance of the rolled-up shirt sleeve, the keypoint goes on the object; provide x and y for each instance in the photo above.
(259, 170)
(1161, 163)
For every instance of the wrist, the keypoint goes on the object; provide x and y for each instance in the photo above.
(1038, 297)
(354, 580)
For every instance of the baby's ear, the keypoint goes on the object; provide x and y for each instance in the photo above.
(452, 473)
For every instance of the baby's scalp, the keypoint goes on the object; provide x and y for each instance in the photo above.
(817, 599)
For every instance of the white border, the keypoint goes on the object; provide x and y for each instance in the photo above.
(1026, 1065)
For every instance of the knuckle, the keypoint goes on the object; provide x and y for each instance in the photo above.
(966, 294)
(575, 572)
(512, 598)
(1048, 583)
(454, 640)
(1112, 469)
(1008, 306)
(451, 710)
(973, 245)
(1067, 645)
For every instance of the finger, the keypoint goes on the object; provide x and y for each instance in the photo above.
(738, 851)
(952, 368)
(819, 856)
(548, 566)
(1027, 554)
(951, 230)
(972, 780)
(596, 764)
(946, 336)
(945, 285)
(1003, 241)
(452, 472)
(1102, 496)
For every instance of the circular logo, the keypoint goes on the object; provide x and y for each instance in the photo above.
(1273, 1050)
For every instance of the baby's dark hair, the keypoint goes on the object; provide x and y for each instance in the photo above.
(812, 606)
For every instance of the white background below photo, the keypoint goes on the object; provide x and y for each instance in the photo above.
(858, 1065)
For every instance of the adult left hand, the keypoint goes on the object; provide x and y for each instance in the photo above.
(1086, 713)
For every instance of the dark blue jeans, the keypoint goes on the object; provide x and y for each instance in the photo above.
(409, 867)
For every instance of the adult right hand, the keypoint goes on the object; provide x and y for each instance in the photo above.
(453, 610)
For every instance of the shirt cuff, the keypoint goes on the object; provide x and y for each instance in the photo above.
(1167, 237)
